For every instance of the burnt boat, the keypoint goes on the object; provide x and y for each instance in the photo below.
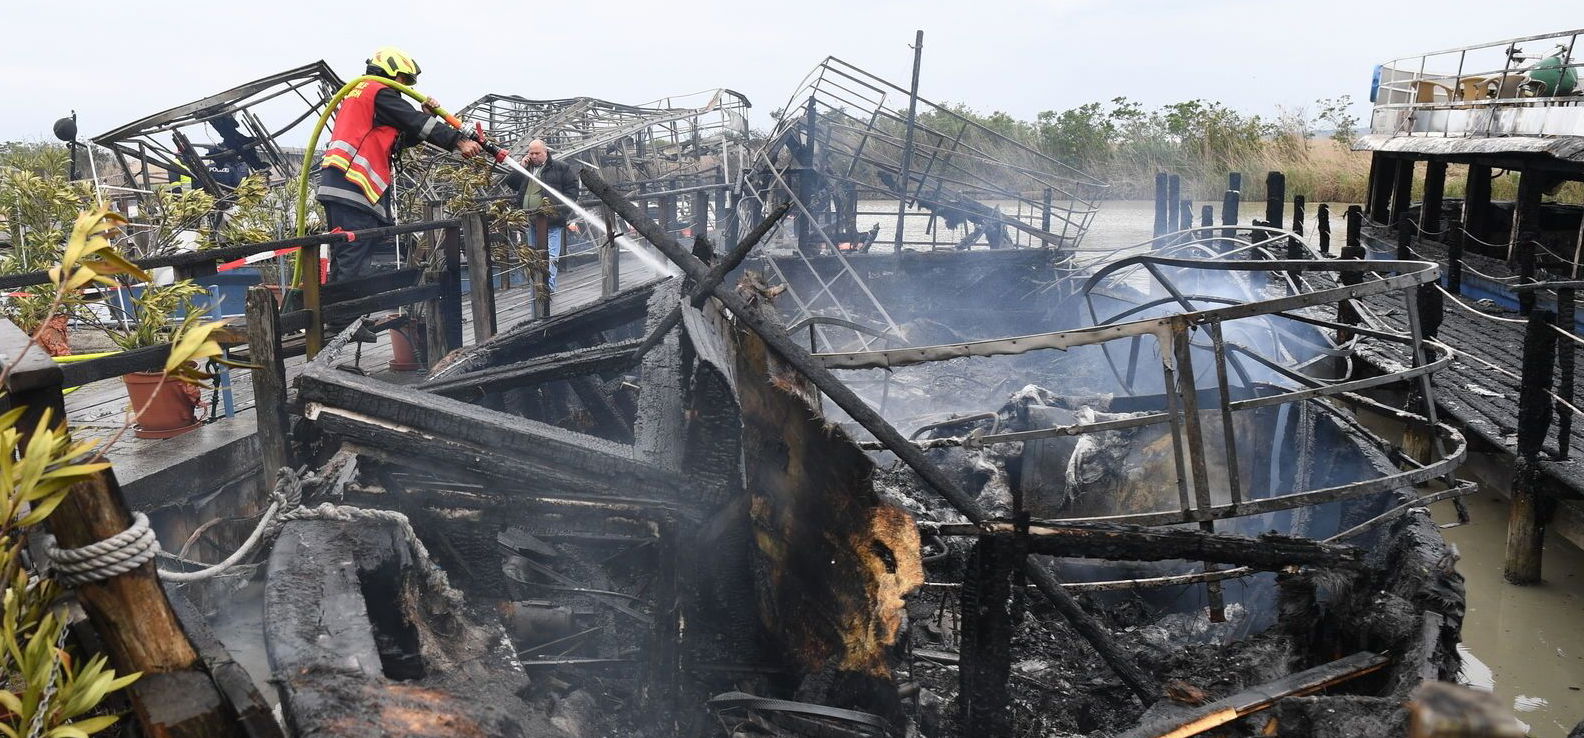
(1165, 513)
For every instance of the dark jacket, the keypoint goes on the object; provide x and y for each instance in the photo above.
(416, 126)
(559, 175)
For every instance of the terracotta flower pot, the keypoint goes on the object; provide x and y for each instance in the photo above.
(404, 347)
(172, 410)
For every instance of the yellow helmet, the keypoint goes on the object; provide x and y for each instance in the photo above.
(392, 61)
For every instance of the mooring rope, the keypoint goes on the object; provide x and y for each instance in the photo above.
(137, 544)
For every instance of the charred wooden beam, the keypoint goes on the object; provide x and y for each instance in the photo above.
(539, 337)
(1043, 578)
(1250, 701)
(1268, 552)
(579, 362)
(660, 432)
(373, 412)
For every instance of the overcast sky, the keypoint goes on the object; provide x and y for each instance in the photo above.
(118, 62)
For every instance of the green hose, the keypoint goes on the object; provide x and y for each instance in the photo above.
(299, 273)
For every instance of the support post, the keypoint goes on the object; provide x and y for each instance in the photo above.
(1173, 201)
(1206, 219)
(1185, 216)
(1405, 234)
(1477, 202)
(1346, 313)
(1456, 233)
(1045, 213)
(481, 289)
(1229, 207)
(1524, 245)
(610, 258)
(1298, 215)
(1275, 198)
(1435, 189)
(904, 183)
(539, 226)
(269, 382)
(1354, 236)
(1527, 517)
(1161, 214)
(701, 201)
(1402, 190)
(1323, 228)
(451, 292)
(984, 702)
(1567, 358)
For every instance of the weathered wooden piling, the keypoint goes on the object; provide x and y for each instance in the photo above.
(1405, 234)
(1045, 212)
(1229, 205)
(1435, 188)
(1354, 232)
(1525, 243)
(1402, 189)
(1185, 213)
(1323, 228)
(1173, 201)
(1527, 517)
(1567, 358)
(1161, 221)
(269, 382)
(1275, 197)
(1477, 202)
(1383, 169)
(1206, 219)
(475, 241)
(1346, 313)
(610, 258)
(540, 226)
(1298, 215)
(1456, 233)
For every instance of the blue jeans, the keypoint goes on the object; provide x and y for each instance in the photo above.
(556, 236)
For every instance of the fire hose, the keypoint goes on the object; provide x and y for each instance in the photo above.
(477, 135)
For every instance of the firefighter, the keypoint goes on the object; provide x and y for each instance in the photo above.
(373, 125)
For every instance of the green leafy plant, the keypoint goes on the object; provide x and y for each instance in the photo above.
(45, 689)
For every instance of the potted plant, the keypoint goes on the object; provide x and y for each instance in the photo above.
(162, 407)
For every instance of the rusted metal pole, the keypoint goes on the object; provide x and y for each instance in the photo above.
(1142, 685)
(1527, 517)
(904, 183)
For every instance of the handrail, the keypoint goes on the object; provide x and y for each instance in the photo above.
(229, 253)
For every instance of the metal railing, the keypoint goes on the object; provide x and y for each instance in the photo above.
(1514, 87)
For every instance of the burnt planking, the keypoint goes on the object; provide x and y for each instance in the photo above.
(1270, 552)
(539, 337)
(454, 434)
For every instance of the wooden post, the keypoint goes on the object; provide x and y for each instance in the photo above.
(1527, 518)
(134, 621)
(1185, 216)
(1435, 188)
(1456, 233)
(1567, 358)
(451, 291)
(1402, 190)
(668, 212)
(1476, 202)
(1275, 198)
(610, 258)
(1323, 228)
(1206, 219)
(1355, 229)
(1161, 178)
(1383, 170)
(1229, 207)
(539, 226)
(1173, 201)
(701, 213)
(475, 238)
(1298, 215)
(269, 382)
(1405, 233)
(1526, 233)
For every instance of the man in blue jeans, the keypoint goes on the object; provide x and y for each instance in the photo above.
(557, 175)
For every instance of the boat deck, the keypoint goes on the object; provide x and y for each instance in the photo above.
(157, 472)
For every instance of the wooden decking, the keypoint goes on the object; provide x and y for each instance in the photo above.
(156, 472)
(1478, 391)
